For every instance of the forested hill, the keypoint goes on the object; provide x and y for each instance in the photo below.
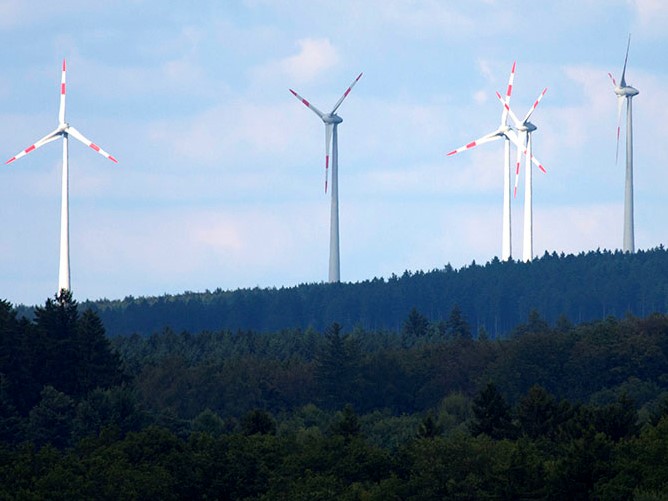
(496, 296)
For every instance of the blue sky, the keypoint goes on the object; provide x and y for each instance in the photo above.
(220, 174)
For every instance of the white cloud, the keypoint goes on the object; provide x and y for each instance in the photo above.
(314, 57)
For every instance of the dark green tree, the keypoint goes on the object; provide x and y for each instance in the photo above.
(537, 413)
(617, 420)
(258, 421)
(337, 369)
(54, 344)
(415, 326)
(456, 326)
(50, 422)
(491, 414)
(429, 427)
(535, 325)
(98, 366)
(347, 423)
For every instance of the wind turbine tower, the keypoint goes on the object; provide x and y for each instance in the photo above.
(331, 121)
(625, 91)
(64, 131)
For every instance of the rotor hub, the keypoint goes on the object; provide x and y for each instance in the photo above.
(332, 119)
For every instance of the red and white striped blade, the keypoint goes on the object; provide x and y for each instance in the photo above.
(61, 111)
(508, 109)
(308, 105)
(328, 142)
(620, 104)
(535, 105)
(52, 136)
(614, 82)
(484, 139)
(517, 167)
(509, 92)
(345, 94)
(537, 163)
(78, 135)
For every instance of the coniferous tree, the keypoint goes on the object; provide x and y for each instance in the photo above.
(97, 365)
(456, 326)
(259, 422)
(55, 342)
(537, 413)
(50, 422)
(491, 414)
(415, 327)
(347, 423)
(337, 368)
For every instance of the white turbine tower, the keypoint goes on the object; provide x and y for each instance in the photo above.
(524, 144)
(503, 131)
(627, 92)
(64, 130)
(332, 120)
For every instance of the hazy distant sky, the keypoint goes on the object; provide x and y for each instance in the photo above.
(220, 181)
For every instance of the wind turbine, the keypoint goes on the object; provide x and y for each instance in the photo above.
(525, 129)
(626, 91)
(503, 131)
(332, 120)
(64, 130)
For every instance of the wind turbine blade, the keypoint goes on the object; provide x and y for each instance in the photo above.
(309, 105)
(622, 82)
(328, 142)
(509, 110)
(520, 148)
(509, 91)
(61, 111)
(538, 164)
(519, 140)
(620, 104)
(614, 82)
(484, 139)
(52, 136)
(535, 105)
(79, 136)
(345, 94)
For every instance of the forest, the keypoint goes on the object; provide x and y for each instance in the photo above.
(434, 409)
(497, 296)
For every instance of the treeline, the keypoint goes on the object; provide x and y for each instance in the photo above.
(496, 296)
(432, 410)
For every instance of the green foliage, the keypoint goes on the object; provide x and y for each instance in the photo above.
(258, 421)
(346, 423)
(538, 413)
(550, 413)
(429, 427)
(498, 295)
(456, 327)
(51, 420)
(415, 327)
(337, 370)
(491, 414)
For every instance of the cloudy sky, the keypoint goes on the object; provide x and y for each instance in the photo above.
(220, 180)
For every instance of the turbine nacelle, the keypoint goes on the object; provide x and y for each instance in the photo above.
(332, 118)
(527, 127)
(626, 91)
